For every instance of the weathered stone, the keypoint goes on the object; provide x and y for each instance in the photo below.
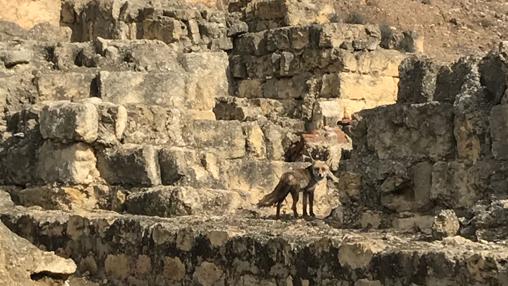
(21, 261)
(175, 201)
(453, 184)
(112, 123)
(422, 131)
(208, 274)
(57, 198)
(223, 137)
(130, 165)
(378, 63)
(356, 252)
(417, 80)
(165, 29)
(68, 164)
(148, 124)
(494, 75)
(445, 224)
(67, 122)
(335, 34)
(65, 86)
(498, 120)
(255, 140)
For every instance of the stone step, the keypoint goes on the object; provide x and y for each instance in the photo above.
(246, 251)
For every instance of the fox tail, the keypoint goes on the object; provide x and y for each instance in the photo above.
(278, 195)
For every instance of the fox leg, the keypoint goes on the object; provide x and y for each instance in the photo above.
(277, 216)
(305, 194)
(294, 194)
(311, 203)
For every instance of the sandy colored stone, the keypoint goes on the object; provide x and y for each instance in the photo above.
(357, 252)
(117, 266)
(207, 274)
(174, 269)
(75, 163)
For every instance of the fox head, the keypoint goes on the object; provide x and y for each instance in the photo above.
(320, 170)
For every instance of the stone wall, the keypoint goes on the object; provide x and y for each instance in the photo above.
(441, 146)
(129, 250)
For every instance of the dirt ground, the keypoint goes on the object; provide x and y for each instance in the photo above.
(451, 28)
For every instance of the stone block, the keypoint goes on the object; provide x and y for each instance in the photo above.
(255, 140)
(380, 89)
(379, 62)
(445, 224)
(498, 120)
(66, 163)
(149, 124)
(286, 88)
(65, 86)
(176, 201)
(225, 138)
(411, 132)
(166, 29)
(455, 184)
(337, 35)
(67, 122)
(418, 77)
(112, 123)
(451, 79)
(57, 198)
(327, 113)
(163, 89)
(494, 75)
(181, 166)
(130, 165)
(250, 88)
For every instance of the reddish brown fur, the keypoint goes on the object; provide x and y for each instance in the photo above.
(294, 182)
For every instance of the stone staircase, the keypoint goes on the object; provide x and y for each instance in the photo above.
(137, 138)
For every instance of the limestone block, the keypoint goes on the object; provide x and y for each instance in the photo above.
(357, 252)
(410, 132)
(498, 120)
(445, 224)
(327, 113)
(223, 137)
(339, 34)
(381, 89)
(149, 124)
(279, 13)
(163, 89)
(64, 86)
(112, 123)
(176, 201)
(379, 62)
(454, 184)
(417, 80)
(57, 198)
(286, 88)
(165, 29)
(451, 79)
(130, 165)
(250, 88)
(183, 166)
(494, 75)
(66, 122)
(255, 140)
(68, 164)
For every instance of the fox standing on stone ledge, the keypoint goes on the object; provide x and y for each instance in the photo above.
(296, 181)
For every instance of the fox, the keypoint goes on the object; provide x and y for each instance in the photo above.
(295, 181)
